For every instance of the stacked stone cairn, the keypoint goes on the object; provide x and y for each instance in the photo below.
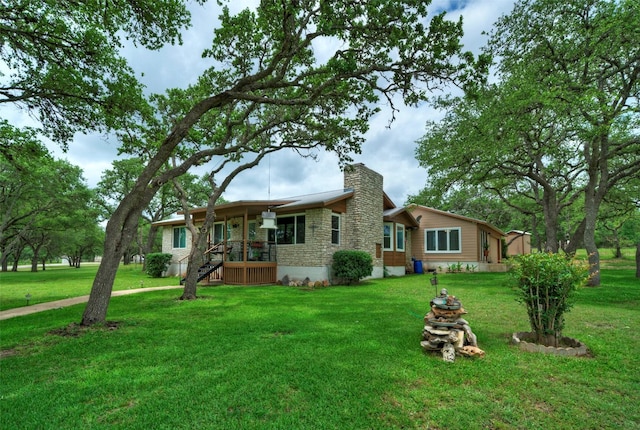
(446, 331)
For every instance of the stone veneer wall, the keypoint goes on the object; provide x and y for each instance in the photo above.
(175, 268)
(312, 259)
(363, 224)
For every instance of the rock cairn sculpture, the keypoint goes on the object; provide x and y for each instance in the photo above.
(446, 331)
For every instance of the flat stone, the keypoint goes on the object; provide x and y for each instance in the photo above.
(439, 332)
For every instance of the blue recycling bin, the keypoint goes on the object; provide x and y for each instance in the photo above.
(417, 266)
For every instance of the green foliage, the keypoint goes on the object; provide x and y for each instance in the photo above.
(351, 266)
(72, 76)
(156, 263)
(454, 267)
(546, 283)
(45, 206)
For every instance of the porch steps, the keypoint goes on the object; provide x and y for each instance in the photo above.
(205, 270)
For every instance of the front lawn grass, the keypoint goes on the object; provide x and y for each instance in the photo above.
(59, 282)
(331, 358)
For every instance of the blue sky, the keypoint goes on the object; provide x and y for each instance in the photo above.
(388, 150)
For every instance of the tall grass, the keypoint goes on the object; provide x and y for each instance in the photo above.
(332, 358)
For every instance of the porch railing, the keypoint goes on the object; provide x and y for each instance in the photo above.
(256, 250)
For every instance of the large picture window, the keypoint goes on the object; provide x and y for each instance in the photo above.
(179, 237)
(442, 240)
(290, 230)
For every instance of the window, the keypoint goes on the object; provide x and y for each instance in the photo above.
(399, 237)
(442, 240)
(290, 230)
(218, 232)
(387, 245)
(179, 237)
(335, 229)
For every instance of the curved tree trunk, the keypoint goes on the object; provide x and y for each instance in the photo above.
(122, 225)
(120, 232)
(196, 259)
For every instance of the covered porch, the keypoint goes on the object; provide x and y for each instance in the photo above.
(242, 249)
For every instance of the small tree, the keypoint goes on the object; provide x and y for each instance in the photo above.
(156, 263)
(351, 266)
(546, 282)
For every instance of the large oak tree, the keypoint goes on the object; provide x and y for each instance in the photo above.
(290, 74)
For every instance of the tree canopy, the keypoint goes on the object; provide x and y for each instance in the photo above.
(560, 125)
(64, 63)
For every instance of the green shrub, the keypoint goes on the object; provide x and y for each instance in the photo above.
(156, 263)
(351, 266)
(546, 283)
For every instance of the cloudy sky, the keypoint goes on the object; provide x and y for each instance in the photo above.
(388, 150)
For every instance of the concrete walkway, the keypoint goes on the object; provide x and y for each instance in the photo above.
(57, 304)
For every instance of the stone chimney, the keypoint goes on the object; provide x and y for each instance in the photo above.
(364, 230)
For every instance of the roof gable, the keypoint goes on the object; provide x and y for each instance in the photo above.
(414, 207)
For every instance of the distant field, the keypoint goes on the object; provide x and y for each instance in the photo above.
(607, 260)
(62, 282)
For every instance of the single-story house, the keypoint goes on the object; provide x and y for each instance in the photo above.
(257, 242)
(444, 239)
(307, 230)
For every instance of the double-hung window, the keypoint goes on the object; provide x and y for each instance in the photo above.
(399, 237)
(335, 229)
(389, 242)
(442, 240)
(387, 236)
(179, 237)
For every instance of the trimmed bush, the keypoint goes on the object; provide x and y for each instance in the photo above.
(156, 263)
(351, 266)
(546, 283)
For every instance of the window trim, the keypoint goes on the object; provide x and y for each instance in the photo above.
(400, 241)
(336, 230)
(180, 237)
(447, 230)
(273, 233)
(390, 236)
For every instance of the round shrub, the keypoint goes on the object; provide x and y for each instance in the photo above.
(351, 266)
(156, 263)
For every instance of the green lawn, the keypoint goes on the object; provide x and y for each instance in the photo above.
(332, 358)
(61, 282)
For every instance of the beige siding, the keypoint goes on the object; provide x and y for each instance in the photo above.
(471, 233)
(468, 238)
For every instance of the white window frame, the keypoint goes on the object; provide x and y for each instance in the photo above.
(386, 236)
(173, 237)
(400, 240)
(448, 231)
(338, 230)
